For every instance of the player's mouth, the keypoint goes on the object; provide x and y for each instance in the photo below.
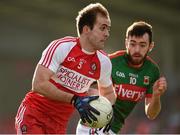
(137, 56)
(103, 40)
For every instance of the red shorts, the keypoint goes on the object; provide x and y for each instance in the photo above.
(29, 121)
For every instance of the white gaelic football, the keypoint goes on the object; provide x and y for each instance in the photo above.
(104, 106)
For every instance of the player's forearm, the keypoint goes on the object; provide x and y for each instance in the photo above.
(153, 108)
(109, 93)
(111, 97)
(49, 90)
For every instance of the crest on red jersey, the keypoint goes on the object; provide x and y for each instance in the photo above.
(93, 68)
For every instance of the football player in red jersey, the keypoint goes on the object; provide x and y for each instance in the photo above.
(66, 70)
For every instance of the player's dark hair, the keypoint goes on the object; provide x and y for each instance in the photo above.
(139, 29)
(87, 16)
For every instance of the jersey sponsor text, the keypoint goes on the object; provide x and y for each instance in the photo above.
(130, 92)
(72, 80)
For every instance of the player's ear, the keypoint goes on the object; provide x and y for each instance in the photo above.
(86, 29)
(151, 46)
(126, 43)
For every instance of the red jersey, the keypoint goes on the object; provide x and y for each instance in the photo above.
(76, 70)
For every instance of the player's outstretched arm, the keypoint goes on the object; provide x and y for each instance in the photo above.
(153, 105)
(43, 86)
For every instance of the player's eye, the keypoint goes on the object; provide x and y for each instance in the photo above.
(108, 28)
(102, 28)
(132, 44)
(143, 45)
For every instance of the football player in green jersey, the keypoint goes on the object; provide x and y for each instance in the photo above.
(135, 76)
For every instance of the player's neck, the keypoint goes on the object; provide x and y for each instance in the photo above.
(134, 66)
(86, 46)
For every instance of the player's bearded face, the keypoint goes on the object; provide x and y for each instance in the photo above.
(137, 49)
(136, 58)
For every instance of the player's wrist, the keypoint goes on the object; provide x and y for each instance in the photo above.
(156, 96)
(73, 99)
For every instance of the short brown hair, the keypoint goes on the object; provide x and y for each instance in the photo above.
(139, 29)
(87, 16)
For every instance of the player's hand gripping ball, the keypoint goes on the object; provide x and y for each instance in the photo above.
(86, 111)
(103, 106)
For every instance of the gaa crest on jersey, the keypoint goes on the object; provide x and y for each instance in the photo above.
(93, 68)
(71, 59)
(120, 74)
(146, 80)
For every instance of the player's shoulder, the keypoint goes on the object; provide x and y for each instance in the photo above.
(117, 54)
(103, 56)
(151, 65)
(66, 43)
(102, 53)
(66, 39)
(152, 62)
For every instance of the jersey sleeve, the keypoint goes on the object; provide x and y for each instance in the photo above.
(149, 92)
(52, 56)
(105, 75)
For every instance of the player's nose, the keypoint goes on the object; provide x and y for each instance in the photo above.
(137, 48)
(106, 33)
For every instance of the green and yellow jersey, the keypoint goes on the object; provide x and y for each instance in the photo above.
(131, 85)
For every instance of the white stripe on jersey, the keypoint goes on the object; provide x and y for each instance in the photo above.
(20, 115)
(51, 49)
(49, 52)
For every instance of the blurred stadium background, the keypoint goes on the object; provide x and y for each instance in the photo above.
(27, 27)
